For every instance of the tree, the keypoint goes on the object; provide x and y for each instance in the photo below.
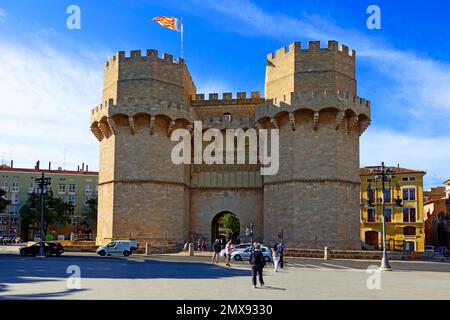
(30, 212)
(231, 223)
(3, 201)
(90, 213)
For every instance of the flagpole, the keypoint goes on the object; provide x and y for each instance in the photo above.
(181, 35)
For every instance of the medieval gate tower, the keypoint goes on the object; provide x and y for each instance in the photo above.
(310, 96)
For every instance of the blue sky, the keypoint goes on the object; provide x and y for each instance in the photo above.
(52, 76)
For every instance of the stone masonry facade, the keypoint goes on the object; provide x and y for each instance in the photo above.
(310, 96)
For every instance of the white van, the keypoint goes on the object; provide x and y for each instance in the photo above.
(125, 247)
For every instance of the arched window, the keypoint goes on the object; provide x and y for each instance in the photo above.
(227, 117)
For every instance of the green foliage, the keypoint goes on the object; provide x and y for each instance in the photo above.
(90, 213)
(31, 214)
(3, 201)
(231, 223)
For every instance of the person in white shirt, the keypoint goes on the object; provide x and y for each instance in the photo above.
(275, 257)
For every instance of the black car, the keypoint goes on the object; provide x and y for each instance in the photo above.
(50, 248)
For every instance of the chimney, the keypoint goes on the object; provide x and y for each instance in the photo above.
(49, 165)
(78, 168)
(12, 163)
(37, 164)
(82, 167)
(87, 168)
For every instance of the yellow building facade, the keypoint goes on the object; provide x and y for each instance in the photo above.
(405, 230)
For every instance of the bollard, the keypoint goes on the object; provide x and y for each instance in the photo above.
(326, 253)
(147, 249)
(191, 249)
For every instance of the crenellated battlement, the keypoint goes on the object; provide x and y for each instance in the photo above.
(132, 106)
(227, 98)
(313, 47)
(135, 56)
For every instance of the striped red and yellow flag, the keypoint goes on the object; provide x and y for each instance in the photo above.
(168, 22)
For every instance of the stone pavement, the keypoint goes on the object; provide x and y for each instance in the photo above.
(169, 277)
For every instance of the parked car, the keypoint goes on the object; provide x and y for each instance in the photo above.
(244, 254)
(429, 248)
(236, 247)
(125, 247)
(7, 239)
(50, 248)
(442, 250)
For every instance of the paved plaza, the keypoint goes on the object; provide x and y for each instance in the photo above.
(184, 277)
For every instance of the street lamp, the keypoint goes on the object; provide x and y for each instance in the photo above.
(43, 182)
(386, 175)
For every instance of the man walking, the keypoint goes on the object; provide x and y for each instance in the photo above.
(280, 249)
(258, 263)
(216, 251)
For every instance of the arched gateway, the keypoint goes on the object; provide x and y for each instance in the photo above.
(225, 226)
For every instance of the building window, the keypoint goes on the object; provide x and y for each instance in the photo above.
(227, 117)
(15, 186)
(371, 215)
(14, 198)
(72, 188)
(388, 214)
(409, 194)
(72, 200)
(371, 195)
(62, 198)
(62, 188)
(409, 231)
(409, 214)
(88, 189)
(13, 221)
(412, 178)
(387, 195)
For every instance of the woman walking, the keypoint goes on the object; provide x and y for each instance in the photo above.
(275, 257)
(228, 250)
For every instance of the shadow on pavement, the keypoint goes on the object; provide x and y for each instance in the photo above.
(15, 269)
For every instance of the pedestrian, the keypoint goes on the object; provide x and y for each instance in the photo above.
(204, 245)
(258, 263)
(216, 251)
(280, 249)
(199, 245)
(275, 257)
(228, 250)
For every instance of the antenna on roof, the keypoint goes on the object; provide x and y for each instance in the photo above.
(64, 160)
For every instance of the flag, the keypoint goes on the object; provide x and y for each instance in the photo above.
(168, 22)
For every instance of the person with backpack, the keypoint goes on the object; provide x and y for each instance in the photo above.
(257, 262)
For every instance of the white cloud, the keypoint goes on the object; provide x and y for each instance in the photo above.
(429, 154)
(47, 95)
(419, 93)
(2, 15)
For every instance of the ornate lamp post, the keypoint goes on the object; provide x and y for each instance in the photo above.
(386, 175)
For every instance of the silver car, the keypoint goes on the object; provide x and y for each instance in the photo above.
(244, 254)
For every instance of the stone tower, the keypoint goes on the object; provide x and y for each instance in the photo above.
(141, 193)
(311, 98)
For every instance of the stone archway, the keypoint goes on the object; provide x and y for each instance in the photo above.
(218, 230)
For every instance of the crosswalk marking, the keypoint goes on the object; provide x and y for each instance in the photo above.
(337, 266)
(314, 266)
